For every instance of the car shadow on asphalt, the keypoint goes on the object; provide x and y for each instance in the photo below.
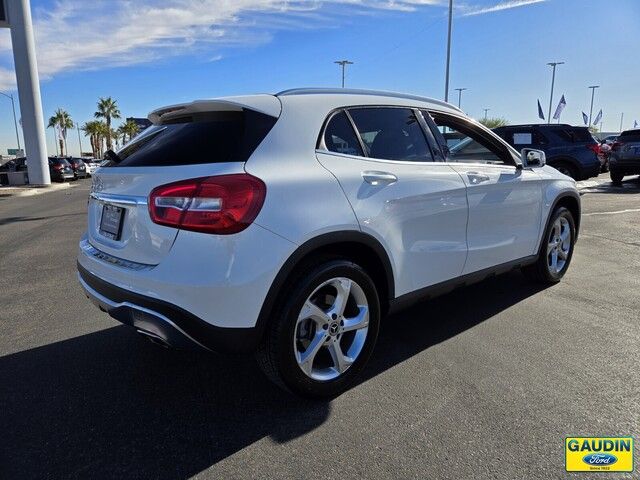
(111, 405)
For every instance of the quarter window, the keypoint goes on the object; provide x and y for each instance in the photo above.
(339, 136)
(391, 134)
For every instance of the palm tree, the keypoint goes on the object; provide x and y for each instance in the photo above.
(107, 109)
(96, 131)
(62, 120)
(128, 130)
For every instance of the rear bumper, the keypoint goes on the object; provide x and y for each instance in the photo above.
(591, 170)
(163, 321)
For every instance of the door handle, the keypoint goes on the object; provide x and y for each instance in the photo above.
(477, 177)
(379, 178)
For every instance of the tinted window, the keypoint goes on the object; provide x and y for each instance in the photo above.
(525, 137)
(391, 134)
(574, 134)
(630, 136)
(339, 136)
(58, 161)
(212, 137)
(469, 144)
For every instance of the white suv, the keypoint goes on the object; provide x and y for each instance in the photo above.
(288, 224)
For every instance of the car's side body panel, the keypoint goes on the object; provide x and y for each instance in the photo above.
(421, 218)
(504, 213)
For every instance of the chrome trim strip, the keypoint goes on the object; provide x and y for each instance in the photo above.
(114, 199)
(91, 251)
(104, 302)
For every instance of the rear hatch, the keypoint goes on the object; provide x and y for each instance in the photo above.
(627, 145)
(199, 139)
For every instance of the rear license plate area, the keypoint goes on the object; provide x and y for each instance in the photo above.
(111, 221)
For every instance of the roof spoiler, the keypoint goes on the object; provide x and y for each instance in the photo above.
(266, 104)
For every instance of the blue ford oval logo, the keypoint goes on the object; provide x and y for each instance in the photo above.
(599, 459)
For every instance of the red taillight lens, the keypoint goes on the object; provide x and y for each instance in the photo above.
(223, 204)
(58, 166)
(594, 147)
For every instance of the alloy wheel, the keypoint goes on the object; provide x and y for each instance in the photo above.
(331, 329)
(559, 245)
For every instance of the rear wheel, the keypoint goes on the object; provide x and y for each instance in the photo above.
(323, 331)
(556, 249)
(616, 178)
(566, 169)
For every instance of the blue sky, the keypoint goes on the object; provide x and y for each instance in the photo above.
(151, 53)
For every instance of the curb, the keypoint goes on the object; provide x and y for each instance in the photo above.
(33, 190)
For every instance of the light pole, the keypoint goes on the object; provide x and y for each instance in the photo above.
(485, 112)
(24, 57)
(15, 121)
(79, 141)
(593, 92)
(621, 118)
(446, 77)
(553, 80)
(460, 90)
(343, 64)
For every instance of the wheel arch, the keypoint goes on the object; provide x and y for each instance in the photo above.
(360, 247)
(569, 200)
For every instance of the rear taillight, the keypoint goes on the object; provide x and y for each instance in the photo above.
(58, 167)
(595, 147)
(222, 204)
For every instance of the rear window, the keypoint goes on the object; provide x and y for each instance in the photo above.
(212, 137)
(58, 161)
(575, 134)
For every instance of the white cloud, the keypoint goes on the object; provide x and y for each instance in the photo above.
(505, 5)
(76, 35)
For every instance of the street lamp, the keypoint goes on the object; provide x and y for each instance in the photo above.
(593, 91)
(343, 64)
(553, 79)
(15, 122)
(485, 112)
(446, 78)
(460, 90)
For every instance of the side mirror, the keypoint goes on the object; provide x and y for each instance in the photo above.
(532, 158)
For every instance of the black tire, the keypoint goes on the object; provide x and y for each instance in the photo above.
(566, 168)
(539, 271)
(276, 355)
(616, 178)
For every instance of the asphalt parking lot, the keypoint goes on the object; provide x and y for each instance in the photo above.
(485, 382)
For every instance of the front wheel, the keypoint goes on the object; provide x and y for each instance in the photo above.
(323, 331)
(556, 249)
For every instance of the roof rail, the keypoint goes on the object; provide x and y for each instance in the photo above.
(353, 91)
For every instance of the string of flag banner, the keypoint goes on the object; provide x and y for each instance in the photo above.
(585, 118)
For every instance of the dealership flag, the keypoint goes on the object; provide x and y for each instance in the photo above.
(635, 124)
(598, 118)
(540, 113)
(585, 119)
(561, 105)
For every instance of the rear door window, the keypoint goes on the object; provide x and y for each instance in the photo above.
(212, 137)
(391, 134)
